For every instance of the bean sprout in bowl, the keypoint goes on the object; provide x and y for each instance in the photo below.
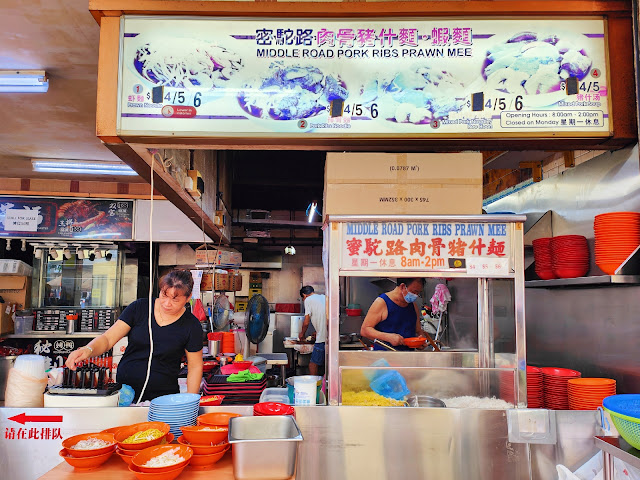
(162, 458)
(85, 463)
(89, 444)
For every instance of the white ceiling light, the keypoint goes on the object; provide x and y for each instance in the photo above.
(290, 250)
(80, 253)
(23, 81)
(81, 167)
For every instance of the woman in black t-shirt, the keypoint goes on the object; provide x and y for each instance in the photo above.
(175, 332)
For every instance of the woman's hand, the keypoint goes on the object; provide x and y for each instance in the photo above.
(395, 339)
(76, 357)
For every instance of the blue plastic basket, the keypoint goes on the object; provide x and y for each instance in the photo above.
(625, 413)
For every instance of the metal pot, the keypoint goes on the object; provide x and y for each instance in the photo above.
(425, 401)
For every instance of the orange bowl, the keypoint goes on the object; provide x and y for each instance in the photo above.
(205, 461)
(124, 456)
(125, 432)
(71, 441)
(415, 342)
(167, 439)
(204, 434)
(203, 449)
(219, 419)
(85, 463)
(170, 475)
(112, 430)
(148, 453)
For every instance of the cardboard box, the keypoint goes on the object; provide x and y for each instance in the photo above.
(207, 282)
(235, 282)
(221, 281)
(217, 257)
(15, 267)
(7, 316)
(464, 168)
(403, 183)
(16, 289)
(241, 306)
(402, 199)
(255, 291)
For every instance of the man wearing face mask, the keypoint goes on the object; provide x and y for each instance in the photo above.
(394, 316)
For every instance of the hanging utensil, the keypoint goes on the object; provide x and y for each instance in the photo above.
(383, 344)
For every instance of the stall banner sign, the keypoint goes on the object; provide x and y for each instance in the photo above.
(55, 348)
(481, 249)
(87, 219)
(445, 77)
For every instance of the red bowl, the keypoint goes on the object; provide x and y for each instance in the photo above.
(85, 463)
(243, 365)
(273, 408)
(415, 342)
(147, 454)
(211, 400)
(71, 441)
(560, 372)
(353, 312)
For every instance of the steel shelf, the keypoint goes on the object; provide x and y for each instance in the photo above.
(585, 281)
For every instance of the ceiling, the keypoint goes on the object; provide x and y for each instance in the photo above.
(60, 37)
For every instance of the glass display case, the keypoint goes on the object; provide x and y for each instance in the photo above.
(481, 260)
(90, 281)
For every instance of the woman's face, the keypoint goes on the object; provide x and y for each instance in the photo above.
(172, 301)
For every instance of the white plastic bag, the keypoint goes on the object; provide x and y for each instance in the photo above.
(24, 391)
(593, 470)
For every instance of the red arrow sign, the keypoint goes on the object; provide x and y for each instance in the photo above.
(24, 418)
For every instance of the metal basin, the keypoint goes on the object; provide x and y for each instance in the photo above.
(425, 401)
(264, 448)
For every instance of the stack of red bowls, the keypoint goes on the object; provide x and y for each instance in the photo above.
(266, 409)
(556, 393)
(617, 236)
(588, 393)
(535, 397)
(535, 387)
(570, 256)
(543, 258)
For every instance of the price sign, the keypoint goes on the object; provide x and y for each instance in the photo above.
(483, 266)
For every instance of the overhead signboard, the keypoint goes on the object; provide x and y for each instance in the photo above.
(72, 218)
(212, 77)
(481, 249)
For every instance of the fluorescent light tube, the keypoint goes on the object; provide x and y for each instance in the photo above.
(23, 81)
(312, 210)
(81, 167)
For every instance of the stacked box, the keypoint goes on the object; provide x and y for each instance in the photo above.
(403, 183)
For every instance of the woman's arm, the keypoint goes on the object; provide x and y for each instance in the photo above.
(99, 345)
(194, 371)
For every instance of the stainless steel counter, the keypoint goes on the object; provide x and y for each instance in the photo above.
(345, 442)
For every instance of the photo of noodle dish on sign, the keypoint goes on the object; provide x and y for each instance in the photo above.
(290, 92)
(536, 64)
(184, 63)
(417, 96)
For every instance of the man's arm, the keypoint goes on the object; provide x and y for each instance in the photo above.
(305, 325)
(374, 316)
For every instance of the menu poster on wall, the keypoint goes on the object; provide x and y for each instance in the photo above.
(483, 248)
(362, 77)
(66, 218)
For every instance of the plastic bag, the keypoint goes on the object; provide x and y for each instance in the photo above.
(593, 470)
(198, 310)
(126, 396)
(24, 391)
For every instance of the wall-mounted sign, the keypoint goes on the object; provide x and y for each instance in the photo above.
(210, 77)
(475, 248)
(70, 218)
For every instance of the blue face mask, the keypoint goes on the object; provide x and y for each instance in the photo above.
(410, 297)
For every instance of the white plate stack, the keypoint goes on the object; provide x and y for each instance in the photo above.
(178, 410)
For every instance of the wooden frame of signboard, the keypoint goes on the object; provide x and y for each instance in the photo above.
(620, 54)
(133, 150)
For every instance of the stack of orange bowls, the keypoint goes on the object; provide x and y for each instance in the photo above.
(556, 392)
(228, 343)
(209, 444)
(588, 393)
(617, 235)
